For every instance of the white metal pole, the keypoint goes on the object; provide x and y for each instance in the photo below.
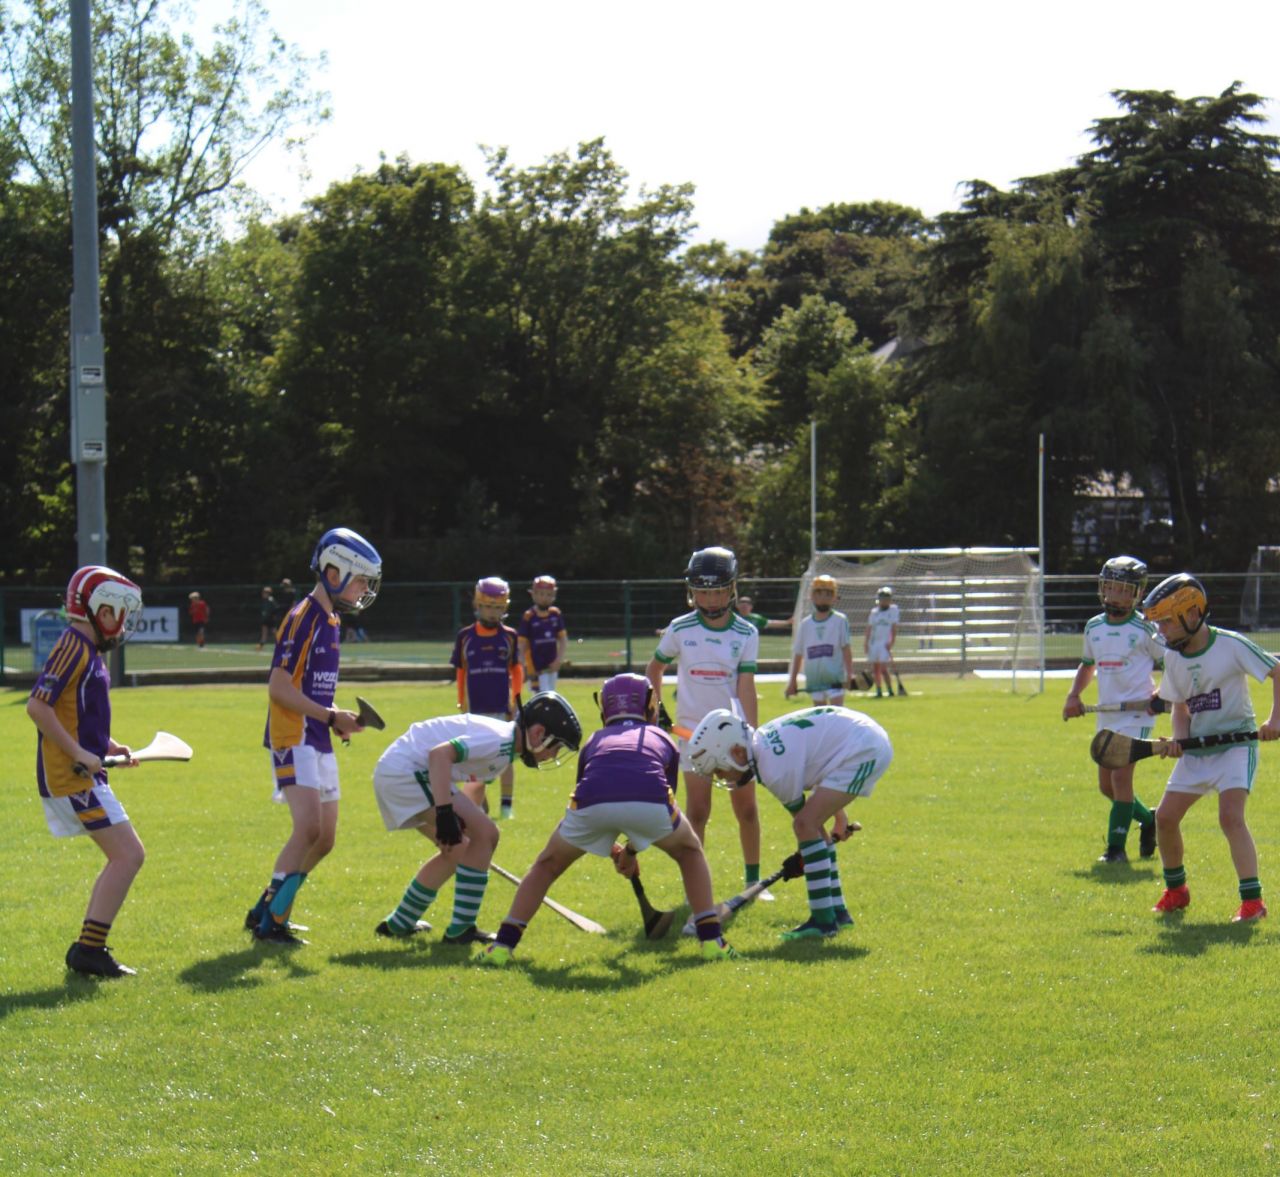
(813, 489)
(1042, 556)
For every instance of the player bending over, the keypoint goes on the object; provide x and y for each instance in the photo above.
(626, 785)
(415, 783)
(832, 753)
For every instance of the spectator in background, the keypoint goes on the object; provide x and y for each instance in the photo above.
(285, 596)
(198, 611)
(266, 616)
(745, 607)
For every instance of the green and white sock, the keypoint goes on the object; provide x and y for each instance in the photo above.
(417, 899)
(1175, 878)
(1250, 889)
(817, 879)
(1121, 820)
(468, 894)
(837, 892)
(1141, 814)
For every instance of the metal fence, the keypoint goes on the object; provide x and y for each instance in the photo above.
(612, 625)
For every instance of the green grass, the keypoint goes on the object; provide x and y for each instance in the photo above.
(1001, 1006)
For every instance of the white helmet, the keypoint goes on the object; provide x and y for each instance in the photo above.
(352, 555)
(710, 748)
(94, 586)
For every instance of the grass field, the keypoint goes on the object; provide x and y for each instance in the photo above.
(1002, 1006)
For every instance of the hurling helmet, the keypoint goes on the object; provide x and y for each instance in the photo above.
(559, 720)
(710, 747)
(352, 555)
(626, 696)
(1171, 598)
(92, 587)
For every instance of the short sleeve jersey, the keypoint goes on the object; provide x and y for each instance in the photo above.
(542, 634)
(820, 641)
(1123, 653)
(483, 748)
(800, 751)
(881, 623)
(75, 682)
(1212, 684)
(708, 662)
(308, 648)
(627, 761)
(486, 655)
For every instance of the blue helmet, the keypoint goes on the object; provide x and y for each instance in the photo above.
(352, 555)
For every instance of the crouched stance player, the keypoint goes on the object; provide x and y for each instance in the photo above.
(832, 753)
(627, 775)
(415, 782)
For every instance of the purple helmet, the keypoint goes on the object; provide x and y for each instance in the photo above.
(625, 696)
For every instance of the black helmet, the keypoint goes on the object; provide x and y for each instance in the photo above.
(557, 717)
(711, 568)
(1123, 570)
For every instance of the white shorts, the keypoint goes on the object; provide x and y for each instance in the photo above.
(404, 798)
(596, 828)
(1233, 768)
(832, 695)
(306, 766)
(83, 813)
(1127, 723)
(547, 679)
(878, 652)
(857, 776)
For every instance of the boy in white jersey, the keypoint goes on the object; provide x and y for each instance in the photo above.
(1121, 648)
(715, 652)
(878, 639)
(416, 785)
(1205, 678)
(833, 754)
(821, 646)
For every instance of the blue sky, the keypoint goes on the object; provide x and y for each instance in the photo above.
(764, 107)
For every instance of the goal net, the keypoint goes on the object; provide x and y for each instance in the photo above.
(960, 608)
(1260, 597)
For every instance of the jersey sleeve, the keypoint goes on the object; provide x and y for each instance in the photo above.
(750, 653)
(667, 650)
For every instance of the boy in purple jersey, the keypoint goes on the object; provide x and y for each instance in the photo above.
(302, 716)
(627, 776)
(489, 674)
(70, 705)
(543, 636)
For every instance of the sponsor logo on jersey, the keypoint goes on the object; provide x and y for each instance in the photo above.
(823, 651)
(708, 672)
(1210, 701)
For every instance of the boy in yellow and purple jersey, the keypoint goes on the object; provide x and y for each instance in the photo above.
(70, 705)
(543, 636)
(489, 674)
(302, 717)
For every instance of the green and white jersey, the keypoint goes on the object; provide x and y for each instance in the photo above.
(821, 642)
(819, 746)
(708, 662)
(1212, 684)
(881, 623)
(1124, 654)
(483, 748)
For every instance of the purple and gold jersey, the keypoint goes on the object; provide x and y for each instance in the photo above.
(542, 634)
(307, 647)
(627, 761)
(486, 656)
(75, 682)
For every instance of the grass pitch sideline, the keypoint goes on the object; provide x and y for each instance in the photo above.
(1002, 1005)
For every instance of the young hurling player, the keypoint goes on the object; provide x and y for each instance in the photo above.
(821, 646)
(489, 674)
(415, 783)
(302, 718)
(831, 753)
(715, 652)
(1121, 648)
(70, 705)
(1206, 674)
(542, 634)
(626, 785)
(878, 639)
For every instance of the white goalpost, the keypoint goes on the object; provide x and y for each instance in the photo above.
(961, 608)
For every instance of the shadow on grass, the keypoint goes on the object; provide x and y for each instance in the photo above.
(814, 949)
(1118, 875)
(237, 970)
(1179, 938)
(77, 988)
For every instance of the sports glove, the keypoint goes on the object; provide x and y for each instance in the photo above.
(664, 720)
(793, 866)
(448, 827)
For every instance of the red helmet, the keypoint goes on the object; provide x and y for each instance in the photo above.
(92, 587)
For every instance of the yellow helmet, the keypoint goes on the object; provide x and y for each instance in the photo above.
(1172, 598)
(825, 582)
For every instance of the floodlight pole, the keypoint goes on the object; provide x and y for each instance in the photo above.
(1040, 540)
(88, 371)
(813, 489)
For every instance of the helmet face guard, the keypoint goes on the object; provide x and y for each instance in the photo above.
(95, 586)
(1121, 584)
(626, 696)
(824, 584)
(560, 725)
(1172, 599)
(352, 555)
(712, 568)
(710, 748)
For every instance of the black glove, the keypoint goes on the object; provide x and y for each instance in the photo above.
(793, 866)
(664, 720)
(448, 827)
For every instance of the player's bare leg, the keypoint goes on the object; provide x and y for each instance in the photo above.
(1244, 854)
(697, 803)
(327, 836)
(1169, 814)
(125, 856)
(747, 812)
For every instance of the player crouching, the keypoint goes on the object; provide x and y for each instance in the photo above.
(627, 775)
(415, 782)
(832, 753)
